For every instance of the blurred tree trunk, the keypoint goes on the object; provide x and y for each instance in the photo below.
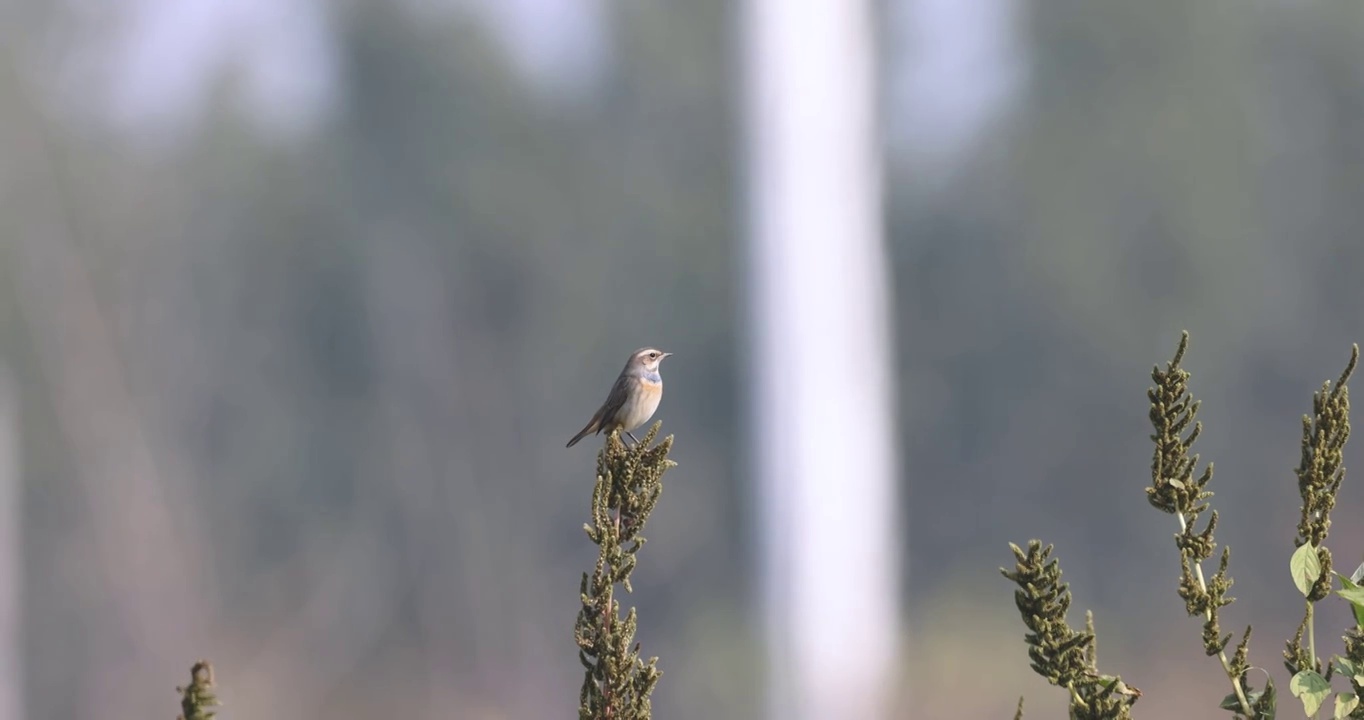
(139, 536)
(11, 554)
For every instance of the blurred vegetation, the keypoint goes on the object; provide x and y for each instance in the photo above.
(294, 401)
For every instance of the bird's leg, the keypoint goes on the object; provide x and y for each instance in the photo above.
(632, 436)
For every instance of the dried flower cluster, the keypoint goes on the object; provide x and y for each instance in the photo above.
(1066, 657)
(617, 682)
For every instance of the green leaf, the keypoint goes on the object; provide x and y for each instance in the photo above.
(1357, 577)
(1350, 590)
(1311, 688)
(1345, 704)
(1353, 592)
(1344, 665)
(1261, 700)
(1306, 568)
(1267, 707)
(1349, 668)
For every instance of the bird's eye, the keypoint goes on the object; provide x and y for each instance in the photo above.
(653, 355)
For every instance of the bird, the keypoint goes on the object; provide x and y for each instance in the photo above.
(632, 400)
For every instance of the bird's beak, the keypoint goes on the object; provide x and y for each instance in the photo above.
(667, 354)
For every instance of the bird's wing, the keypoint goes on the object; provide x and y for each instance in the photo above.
(614, 401)
(625, 384)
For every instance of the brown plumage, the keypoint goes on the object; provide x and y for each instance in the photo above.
(632, 400)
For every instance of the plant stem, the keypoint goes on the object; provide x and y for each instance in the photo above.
(608, 619)
(1312, 635)
(1312, 642)
(1221, 654)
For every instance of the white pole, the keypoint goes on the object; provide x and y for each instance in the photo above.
(819, 360)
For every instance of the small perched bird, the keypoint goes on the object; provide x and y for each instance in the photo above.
(633, 398)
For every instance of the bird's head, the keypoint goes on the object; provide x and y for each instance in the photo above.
(648, 358)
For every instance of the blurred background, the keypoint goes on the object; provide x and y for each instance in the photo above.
(300, 300)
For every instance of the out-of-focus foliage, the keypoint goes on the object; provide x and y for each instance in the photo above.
(350, 361)
(299, 405)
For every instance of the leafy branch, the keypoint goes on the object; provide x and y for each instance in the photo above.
(617, 682)
(1175, 489)
(1066, 656)
(197, 698)
(1320, 474)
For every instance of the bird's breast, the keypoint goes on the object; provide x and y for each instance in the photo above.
(642, 403)
(650, 388)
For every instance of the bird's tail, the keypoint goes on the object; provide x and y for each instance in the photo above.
(591, 428)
